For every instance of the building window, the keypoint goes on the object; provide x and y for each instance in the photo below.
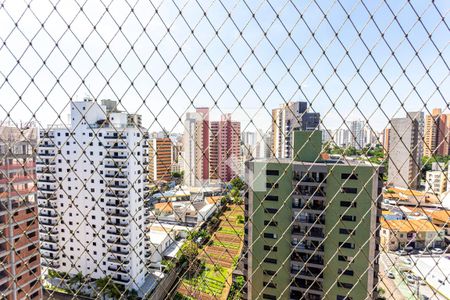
(344, 285)
(270, 223)
(347, 245)
(270, 284)
(271, 198)
(271, 185)
(346, 231)
(269, 297)
(345, 272)
(270, 210)
(268, 235)
(270, 260)
(348, 204)
(269, 272)
(351, 176)
(348, 218)
(272, 172)
(271, 248)
(348, 190)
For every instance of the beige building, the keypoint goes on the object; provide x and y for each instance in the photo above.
(417, 234)
(436, 133)
(161, 154)
(436, 182)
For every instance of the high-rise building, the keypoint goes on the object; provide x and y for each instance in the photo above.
(196, 147)
(224, 150)
(342, 137)
(287, 118)
(357, 134)
(264, 143)
(249, 138)
(311, 226)
(405, 146)
(92, 178)
(19, 243)
(437, 133)
(210, 146)
(161, 154)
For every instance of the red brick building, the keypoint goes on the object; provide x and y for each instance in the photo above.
(19, 243)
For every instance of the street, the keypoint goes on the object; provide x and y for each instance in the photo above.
(398, 288)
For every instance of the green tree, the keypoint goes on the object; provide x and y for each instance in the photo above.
(188, 254)
(237, 183)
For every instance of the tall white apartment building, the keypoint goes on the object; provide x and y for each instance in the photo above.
(358, 134)
(91, 188)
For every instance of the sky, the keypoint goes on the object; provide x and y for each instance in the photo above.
(369, 60)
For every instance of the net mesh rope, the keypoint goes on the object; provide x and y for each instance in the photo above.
(81, 217)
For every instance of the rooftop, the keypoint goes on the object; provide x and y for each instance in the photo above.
(408, 225)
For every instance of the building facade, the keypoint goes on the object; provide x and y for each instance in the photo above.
(92, 178)
(415, 234)
(196, 147)
(161, 159)
(437, 133)
(224, 150)
(211, 148)
(287, 118)
(311, 225)
(20, 269)
(405, 151)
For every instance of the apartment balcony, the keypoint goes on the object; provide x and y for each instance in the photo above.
(47, 190)
(50, 215)
(116, 157)
(117, 233)
(116, 167)
(46, 170)
(47, 197)
(46, 180)
(51, 264)
(306, 207)
(49, 256)
(312, 233)
(117, 214)
(117, 224)
(47, 205)
(113, 137)
(297, 263)
(118, 187)
(314, 289)
(48, 239)
(118, 204)
(49, 222)
(49, 249)
(116, 195)
(116, 146)
(118, 261)
(45, 162)
(121, 252)
(47, 145)
(116, 175)
(311, 221)
(121, 280)
(308, 248)
(118, 241)
(118, 270)
(46, 135)
(306, 274)
(49, 231)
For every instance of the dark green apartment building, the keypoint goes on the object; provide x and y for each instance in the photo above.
(311, 230)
